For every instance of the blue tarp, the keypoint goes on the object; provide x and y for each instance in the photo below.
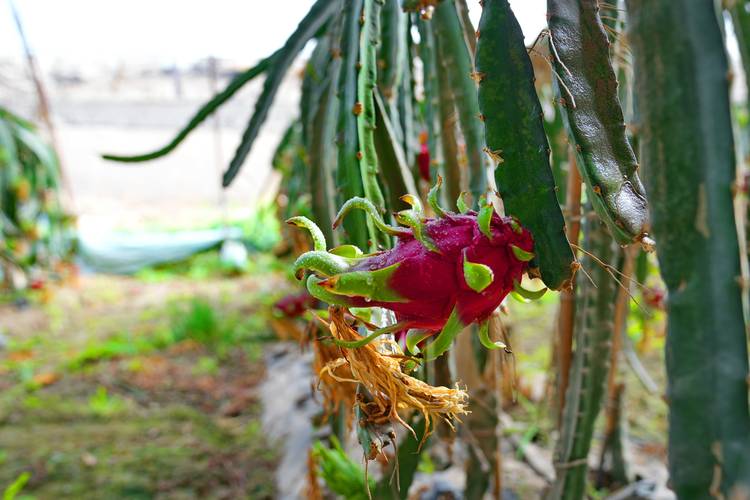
(126, 253)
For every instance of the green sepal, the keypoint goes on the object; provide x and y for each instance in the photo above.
(432, 198)
(412, 219)
(321, 262)
(368, 207)
(354, 344)
(348, 251)
(461, 202)
(319, 240)
(515, 225)
(444, 340)
(414, 203)
(528, 294)
(363, 313)
(477, 276)
(372, 285)
(413, 338)
(484, 219)
(324, 295)
(521, 254)
(484, 337)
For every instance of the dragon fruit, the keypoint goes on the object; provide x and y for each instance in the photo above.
(294, 305)
(444, 273)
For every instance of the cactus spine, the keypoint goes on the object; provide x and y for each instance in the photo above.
(688, 155)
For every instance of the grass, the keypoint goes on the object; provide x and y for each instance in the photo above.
(132, 388)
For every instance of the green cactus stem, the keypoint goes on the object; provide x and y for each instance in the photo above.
(431, 107)
(396, 176)
(204, 112)
(315, 19)
(348, 176)
(516, 141)
(687, 151)
(458, 66)
(590, 365)
(322, 131)
(447, 128)
(588, 94)
(366, 117)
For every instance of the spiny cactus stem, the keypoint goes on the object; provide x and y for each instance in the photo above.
(366, 81)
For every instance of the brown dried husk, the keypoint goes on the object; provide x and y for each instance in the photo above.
(336, 396)
(390, 388)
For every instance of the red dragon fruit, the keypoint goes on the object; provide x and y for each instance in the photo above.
(443, 274)
(294, 305)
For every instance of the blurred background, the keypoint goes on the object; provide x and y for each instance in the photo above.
(158, 359)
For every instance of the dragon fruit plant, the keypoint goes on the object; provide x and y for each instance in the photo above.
(443, 274)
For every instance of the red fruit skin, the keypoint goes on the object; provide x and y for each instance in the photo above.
(433, 283)
(295, 304)
(423, 162)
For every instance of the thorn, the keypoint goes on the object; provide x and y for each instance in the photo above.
(477, 76)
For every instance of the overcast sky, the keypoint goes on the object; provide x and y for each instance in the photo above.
(109, 32)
